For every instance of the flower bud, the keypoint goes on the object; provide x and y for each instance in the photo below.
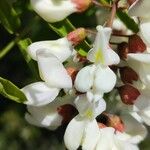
(128, 75)
(123, 50)
(77, 36)
(128, 94)
(67, 111)
(136, 44)
(115, 122)
(82, 5)
(72, 72)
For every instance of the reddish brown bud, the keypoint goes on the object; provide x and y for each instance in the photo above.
(82, 59)
(77, 36)
(101, 125)
(72, 72)
(82, 5)
(136, 44)
(123, 50)
(115, 122)
(128, 75)
(128, 94)
(67, 112)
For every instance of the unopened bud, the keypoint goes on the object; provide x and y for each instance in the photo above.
(72, 72)
(101, 125)
(115, 122)
(136, 44)
(77, 36)
(128, 94)
(82, 5)
(67, 112)
(128, 75)
(123, 50)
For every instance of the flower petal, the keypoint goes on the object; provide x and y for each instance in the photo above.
(84, 78)
(52, 71)
(105, 79)
(135, 135)
(39, 94)
(53, 11)
(91, 135)
(145, 32)
(61, 48)
(101, 52)
(74, 133)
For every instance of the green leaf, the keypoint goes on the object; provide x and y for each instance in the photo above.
(11, 91)
(23, 44)
(63, 28)
(128, 21)
(8, 17)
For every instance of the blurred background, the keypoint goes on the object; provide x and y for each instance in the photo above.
(15, 132)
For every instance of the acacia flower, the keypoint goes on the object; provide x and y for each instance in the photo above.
(99, 77)
(53, 11)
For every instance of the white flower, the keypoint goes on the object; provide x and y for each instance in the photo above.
(49, 55)
(48, 116)
(53, 10)
(111, 140)
(141, 10)
(83, 129)
(98, 77)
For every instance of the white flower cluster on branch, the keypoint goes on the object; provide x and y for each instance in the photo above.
(103, 97)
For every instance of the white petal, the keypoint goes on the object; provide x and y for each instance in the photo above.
(53, 11)
(106, 140)
(61, 48)
(143, 105)
(91, 135)
(105, 79)
(135, 134)
(101, 52)
(52, 71)
(45, 116)
(145, 32)
(141, 64)
(140, 9)
(39, 94)
(84, 78)
(74, 133)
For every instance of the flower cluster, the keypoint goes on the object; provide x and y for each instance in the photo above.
(102, 97)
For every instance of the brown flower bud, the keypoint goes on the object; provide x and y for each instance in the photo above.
(136, 44)
(115, 122)
(123, 50)
(128, 75)
(128, 94)
(82, 5)
(77, 36)
(72, 72)
(67, 112)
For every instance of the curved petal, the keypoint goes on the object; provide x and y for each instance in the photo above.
(145, 32)
(105, 79)
(53, 11)
(60, 48)
(101, 52)
(91, 135)
(74, 133)
(135, 135)
(140, 9)
(45, 116)
(52, 71)
(39, 94)
(84, 78)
